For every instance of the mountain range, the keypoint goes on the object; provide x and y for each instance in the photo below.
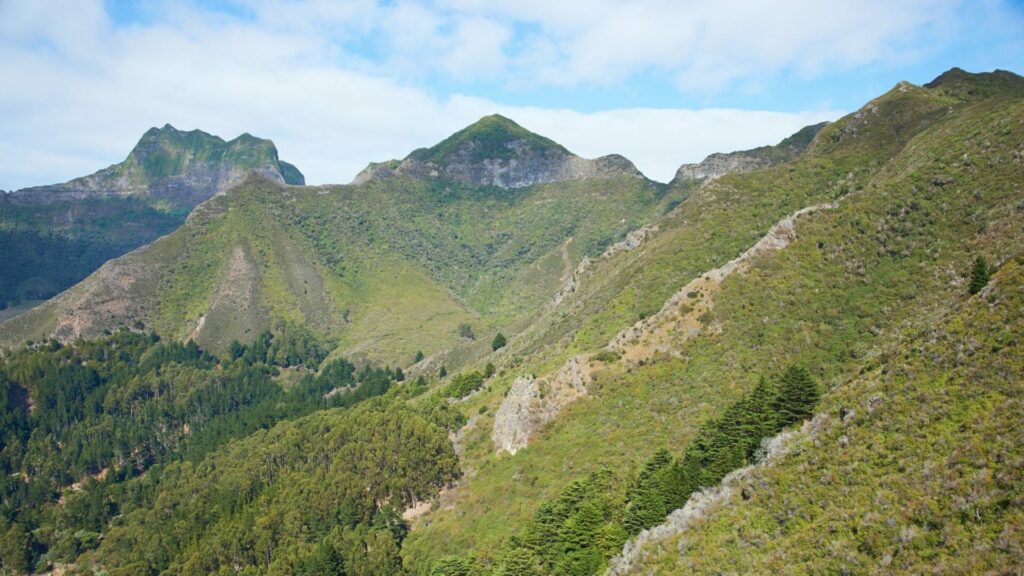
(496, 357)
(57, 235)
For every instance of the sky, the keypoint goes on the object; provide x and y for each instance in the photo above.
(338, 84)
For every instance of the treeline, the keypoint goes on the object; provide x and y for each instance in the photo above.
(576, 533)
(110, 409)
(318, 495)
(466, 383)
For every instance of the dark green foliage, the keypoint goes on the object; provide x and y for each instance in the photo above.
(15, 549)
(466, 331)
(520, 562)
(419, 356)
(41, 258)
(443, 372)
(451, 566)
(351, 470)
(288, 345)
(464, 384)
(588, 523)
(489, 370)
(128, 402)
(797, 396)
(979, 275)
(648, 504)
(499, 341)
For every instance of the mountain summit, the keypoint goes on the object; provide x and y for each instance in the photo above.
(495, 151)
(53, 236)
(179, 167)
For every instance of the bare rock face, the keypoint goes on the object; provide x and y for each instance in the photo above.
(496, 151)
(181, 168)
(719, 164)
(532, 403)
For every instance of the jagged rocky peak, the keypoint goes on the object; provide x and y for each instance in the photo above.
(720, 164)
(181, 167)
(495, 151)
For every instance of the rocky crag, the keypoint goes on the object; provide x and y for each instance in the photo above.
(496, 151)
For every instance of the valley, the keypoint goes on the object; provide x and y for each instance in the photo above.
(496, 357)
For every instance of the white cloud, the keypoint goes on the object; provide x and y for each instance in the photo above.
(330, 81)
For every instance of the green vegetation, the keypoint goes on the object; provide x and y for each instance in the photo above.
(54, 236)
(979, 275)
(282, 442)
(577, 532)
(381, 270)
(498, 342)
(97, 415)
(464, 384)
(914, 467)
(491, 137)
(890, 255)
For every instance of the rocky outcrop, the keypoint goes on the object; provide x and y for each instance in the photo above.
(632, 241)
(720, 164)
(698, 506)
(496, 151)
(181, 168)
(531, 403)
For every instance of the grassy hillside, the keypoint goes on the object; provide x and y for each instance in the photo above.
(655, 334)
(382, 269)
(913, 466)
(924, 183)
(57, 235)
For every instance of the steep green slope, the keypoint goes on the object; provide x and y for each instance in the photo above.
(81, 422)
(911, 215)
(913, 466)
(381, 269)
(641, 321)
(350, 469)
(54, 236)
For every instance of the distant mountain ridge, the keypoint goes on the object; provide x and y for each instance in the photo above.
(807, 362)
(495, 151)
(53, 236)
(720, 164)
(183, 168)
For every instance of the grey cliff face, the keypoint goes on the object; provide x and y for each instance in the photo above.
(720, 164)
(181, 168)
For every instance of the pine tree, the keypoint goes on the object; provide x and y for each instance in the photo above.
(419, 356)
(15, 547)
(797, 396)
(645, 509)
(979, 275)
(443, 372)
(498, 342)
(489, 370)
(520, 562)
(450, 566)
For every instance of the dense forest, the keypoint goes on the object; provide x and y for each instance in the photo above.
(92, 429)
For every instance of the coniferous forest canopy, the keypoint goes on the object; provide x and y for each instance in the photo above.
(495, 357)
